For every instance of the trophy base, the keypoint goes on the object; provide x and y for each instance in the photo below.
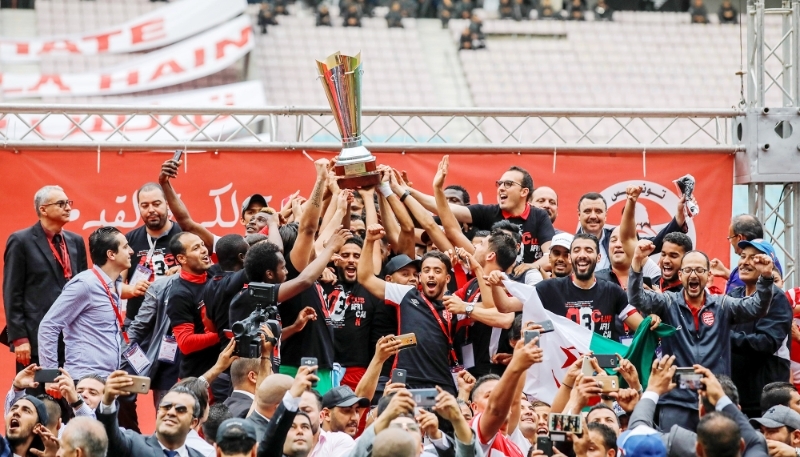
(355, 182)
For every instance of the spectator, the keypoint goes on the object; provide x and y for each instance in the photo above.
(341, 410)
(85, 437)
(280, 8)
(26, 430)
(781, 427)
(199, 387)
(546, 10)
(576, 11)
(446, 11)
(780, 393)
(709, 345)
(428, 365)
(465, 42)
(727, 13)
(476, 31)
(546, 198)
(323, 16)
(603, 12)
(698, 12)
(177, 414)
(513, 190)
(244, 373)
(744, 227)
(92, 329)
(38, 263)
(236, 438)
(268, 397)
(198, 342)
(299, 440)
(718, 436)
(464, 9)
(265, 17)
(676, 245)
(352, 16)
(394, 18)
(592, 213)
(718, 394)
(506, 10)
(217, 414)
(759, 351)
(559, 257)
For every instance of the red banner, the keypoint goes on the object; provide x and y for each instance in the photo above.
(213, 186)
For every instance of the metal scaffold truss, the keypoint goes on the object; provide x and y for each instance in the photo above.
(75, 127)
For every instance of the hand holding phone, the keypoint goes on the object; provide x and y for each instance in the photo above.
(177, 156)
(398, 376)
(310, 362)
(530, 335)
(544, 444)
(46, 375)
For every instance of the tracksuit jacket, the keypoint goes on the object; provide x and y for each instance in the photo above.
(710, 344)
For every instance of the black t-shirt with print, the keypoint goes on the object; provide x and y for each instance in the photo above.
(594, 308)
(535, 227)
(184, 303)
(352, 310)
(384, 323)
(316, 338)
(161, 261)
(479, 335)
(429, 361)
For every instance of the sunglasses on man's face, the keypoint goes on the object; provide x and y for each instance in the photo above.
(180, 409)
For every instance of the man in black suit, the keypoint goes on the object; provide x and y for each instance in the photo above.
(177, 414)
(39, 261)
(244, 373)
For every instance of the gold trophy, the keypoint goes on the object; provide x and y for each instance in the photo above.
(341, 78)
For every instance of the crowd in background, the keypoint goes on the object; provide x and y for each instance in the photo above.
(354, 322)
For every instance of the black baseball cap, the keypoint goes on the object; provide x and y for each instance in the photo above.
(38, 405)
(399, 262)
(343, 397)
(236, 429)
(255, 198)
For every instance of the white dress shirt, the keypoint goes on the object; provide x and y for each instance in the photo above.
(333, 444)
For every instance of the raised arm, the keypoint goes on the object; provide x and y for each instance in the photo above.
(426, 221)
(391, 204)
(372, 219)
(309, 219)
(386, 347)
(452, 228)
(429, 203)
(502, 397)
(169, 170)
(343, 200)
(627, 226)
(755, 306)
(645, 301)
(502, 301)
(310, 273)
(365, 272)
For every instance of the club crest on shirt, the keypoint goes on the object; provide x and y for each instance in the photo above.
(708, 318)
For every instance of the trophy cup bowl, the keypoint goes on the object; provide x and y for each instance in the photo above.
(341, 78)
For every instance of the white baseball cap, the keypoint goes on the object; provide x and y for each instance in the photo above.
(562, 239)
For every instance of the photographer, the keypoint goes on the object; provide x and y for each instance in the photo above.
(265, 263)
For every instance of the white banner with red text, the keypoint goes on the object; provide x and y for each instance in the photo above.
(200, 56)
(163, 26)
(144, 127)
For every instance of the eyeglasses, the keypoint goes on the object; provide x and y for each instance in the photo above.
(406, 427)
(507, 184)
(61, 203)
(180, 409)
(731, 237)
(690, 270)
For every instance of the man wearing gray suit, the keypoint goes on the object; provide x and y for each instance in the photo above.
(177, 414)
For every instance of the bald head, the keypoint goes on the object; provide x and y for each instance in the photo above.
(546, 198)
(85, 434)
(270, 393)
(394, 442)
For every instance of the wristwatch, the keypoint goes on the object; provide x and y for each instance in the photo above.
(468, 309)
(77, 403)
